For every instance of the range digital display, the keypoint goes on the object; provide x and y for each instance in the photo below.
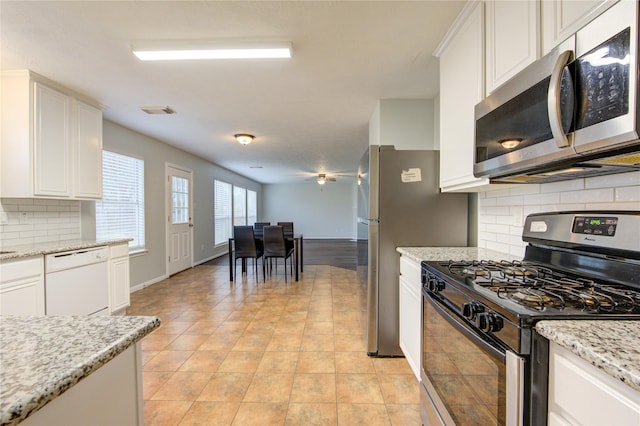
(605, 226)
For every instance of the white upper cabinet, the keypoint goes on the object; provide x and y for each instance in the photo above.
(88, 149)
(512, 40)
(461, 88)
(562, 18)
(51, 140)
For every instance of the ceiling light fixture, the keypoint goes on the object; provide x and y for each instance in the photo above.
(165, 109)
(244, 138)
(322, 179)
(204, 50)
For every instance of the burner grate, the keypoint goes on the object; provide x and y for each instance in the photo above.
(539, 287)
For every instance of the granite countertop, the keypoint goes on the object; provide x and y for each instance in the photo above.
(55, 247)
(420, 254)
(612, 346)
(42, 357)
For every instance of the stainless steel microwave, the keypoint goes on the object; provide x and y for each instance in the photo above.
(573, 113)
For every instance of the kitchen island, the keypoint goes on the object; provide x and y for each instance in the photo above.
(49, 364)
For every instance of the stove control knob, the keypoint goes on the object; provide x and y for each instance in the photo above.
(435, 285)
(471, 309)
(487, 322)
(424, 279)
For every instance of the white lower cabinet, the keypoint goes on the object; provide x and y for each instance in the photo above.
(582, 394)
(411, 313)
(119, 284)
(22, 286)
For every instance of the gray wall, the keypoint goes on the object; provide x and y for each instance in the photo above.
(316, 211)
(405, 123)
(150, 267)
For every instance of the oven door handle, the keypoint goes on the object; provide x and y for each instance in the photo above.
(467, 331)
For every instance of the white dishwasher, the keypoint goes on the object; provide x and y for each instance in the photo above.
(77, 283)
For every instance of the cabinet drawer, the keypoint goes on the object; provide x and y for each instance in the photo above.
(410, 269)
(12, 270)
(120, 250)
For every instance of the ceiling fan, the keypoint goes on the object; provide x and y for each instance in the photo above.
(322, 179)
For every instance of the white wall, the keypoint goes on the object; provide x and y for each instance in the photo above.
(405, 123)
(502, 212)
(151, 266)
(316, 211)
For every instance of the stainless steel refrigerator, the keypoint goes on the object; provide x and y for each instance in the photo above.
(399, 205)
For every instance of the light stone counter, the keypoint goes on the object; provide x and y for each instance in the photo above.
(42, 357)
(612, 346)
(55, 247)
(420, 254)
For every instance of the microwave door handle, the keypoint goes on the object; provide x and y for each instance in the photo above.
(553, 100)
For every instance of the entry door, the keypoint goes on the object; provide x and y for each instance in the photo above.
(179, 222)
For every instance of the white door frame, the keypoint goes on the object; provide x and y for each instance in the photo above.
(167, 213)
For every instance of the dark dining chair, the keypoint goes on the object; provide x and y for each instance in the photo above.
(246, 248)
(287, 228)
(258, 228)
(275, 246)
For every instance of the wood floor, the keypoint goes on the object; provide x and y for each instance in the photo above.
(268, 353)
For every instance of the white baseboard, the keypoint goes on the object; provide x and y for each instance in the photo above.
(148, 283)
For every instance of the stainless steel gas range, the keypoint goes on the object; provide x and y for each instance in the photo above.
(482, 362)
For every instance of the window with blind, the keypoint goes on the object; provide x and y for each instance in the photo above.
(252, 207)
(239, 206)
(222, 202)
(120, 213)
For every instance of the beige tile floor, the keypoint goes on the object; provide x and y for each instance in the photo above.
(267, 354)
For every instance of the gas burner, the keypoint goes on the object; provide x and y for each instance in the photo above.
(530, 297)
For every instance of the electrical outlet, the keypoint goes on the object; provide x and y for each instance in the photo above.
(24, 217)
(4, 218)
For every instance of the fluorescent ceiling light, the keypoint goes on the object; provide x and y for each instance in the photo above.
(213, 51)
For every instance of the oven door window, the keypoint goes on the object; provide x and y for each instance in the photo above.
(470, 380)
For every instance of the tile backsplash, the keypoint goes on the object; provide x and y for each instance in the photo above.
(501, 213)
(30, 220)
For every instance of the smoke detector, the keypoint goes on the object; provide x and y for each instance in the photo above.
(158, 109)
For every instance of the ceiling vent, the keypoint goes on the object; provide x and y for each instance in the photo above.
(158, 109)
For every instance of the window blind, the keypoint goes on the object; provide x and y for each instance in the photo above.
(252, 207)
(239, 206)
(120, 213)
(222, 202)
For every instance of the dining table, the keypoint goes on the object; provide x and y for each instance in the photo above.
(298, 253)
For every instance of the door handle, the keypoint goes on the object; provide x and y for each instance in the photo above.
(553, 100)
(191, 225)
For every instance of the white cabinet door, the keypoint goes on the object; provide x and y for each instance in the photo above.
(52, 150)
(119, 284)
(581, 394)
(511, 39)
(51, 141)
(410, 300)
(461, 88)
(88, 148)
(22, 287)
(562, 18)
